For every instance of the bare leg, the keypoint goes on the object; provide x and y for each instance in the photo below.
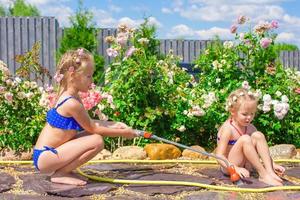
(70, 155)
(244, 148)
(260, 143)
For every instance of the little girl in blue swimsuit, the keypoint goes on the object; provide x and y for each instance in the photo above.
(70, 137)
(241, 144)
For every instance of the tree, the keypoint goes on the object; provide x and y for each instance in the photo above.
(21, 8)
(2, 11)
(285, 47)
(82, 33)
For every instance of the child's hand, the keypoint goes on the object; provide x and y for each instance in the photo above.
(129, 133)
(243, 172)
(278, 169)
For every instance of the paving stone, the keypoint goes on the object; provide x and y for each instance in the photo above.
(293, 195)
(216, 174)
(165, 189)
(36, 197)
(202, 196)
(277, 195)
(6, 182)
(119, 167)
(295, 172)
(41, 184)
(131, 197)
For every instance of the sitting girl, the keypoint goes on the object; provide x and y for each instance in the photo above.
(241, 144)
(70, 137)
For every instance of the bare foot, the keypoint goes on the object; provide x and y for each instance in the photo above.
(276, 177)
(67, 179)
(268, 179)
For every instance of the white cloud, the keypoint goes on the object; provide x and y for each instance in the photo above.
(293, 21)
(166, 10)
(153, 21)
(60, 12)
(183, 31)
(285, 37)
(103, 18)
(115, 8)
(129, 22)
(212, 32)
(135, 23)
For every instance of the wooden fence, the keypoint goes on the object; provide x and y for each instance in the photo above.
(18, 34)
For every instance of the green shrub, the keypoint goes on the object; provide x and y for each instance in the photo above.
(21, 116)
(251, 58)
(150, 93)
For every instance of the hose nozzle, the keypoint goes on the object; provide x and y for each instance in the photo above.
(143, 134)
(234, 176)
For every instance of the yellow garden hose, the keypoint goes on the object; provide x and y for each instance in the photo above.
(185, 183)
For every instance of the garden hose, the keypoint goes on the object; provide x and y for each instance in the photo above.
(186, 183)
(234, 176)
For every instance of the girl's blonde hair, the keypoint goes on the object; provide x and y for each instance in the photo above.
(71, 61)
(236, 97)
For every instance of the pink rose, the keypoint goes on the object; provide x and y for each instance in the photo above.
(274, 24)
(233, 28)
(9, 97)
(2, 89)
(265, 42)
(241, 19)
(112, 52)
(130, 51)
(297, 90)
(58, 77)
(80, 51)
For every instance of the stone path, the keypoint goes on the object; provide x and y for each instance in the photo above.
(22, 182)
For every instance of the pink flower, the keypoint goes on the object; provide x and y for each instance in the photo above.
(112, 52)
(90, 99)
(245, 85)
(93, 86)
(241, 19)
(71, 69)
(297, 90)
(2, 89)
(52, 99)
(49, 88)
(80, 51)
(274, 24)
(130, 51)
(233, 28)
(122, 38)
(265, 42)
(58, 77)
(9, 97)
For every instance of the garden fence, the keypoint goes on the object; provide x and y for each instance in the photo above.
(18, 34)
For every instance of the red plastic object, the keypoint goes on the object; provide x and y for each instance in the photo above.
(147, 135)
(234, 176)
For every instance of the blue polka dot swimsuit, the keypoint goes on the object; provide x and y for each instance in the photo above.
(58, 121)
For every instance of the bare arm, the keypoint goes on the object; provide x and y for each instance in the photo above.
(224, 135)
(77, 111)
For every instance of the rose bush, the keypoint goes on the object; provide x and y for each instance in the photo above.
(21, 117)
(250, 60)
(150, 92)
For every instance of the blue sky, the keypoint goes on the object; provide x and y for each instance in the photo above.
(184, 19)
